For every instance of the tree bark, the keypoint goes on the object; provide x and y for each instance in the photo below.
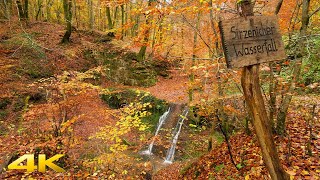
(108, 13)
(2, 9)
(110, 23)
(48, 9)
(122, 21)
(23, 9)
(99, 15)
(273, 96)
(26, 9)
(39, 9)
(75, 12)
(195, 40)
(67, 6)
(136, 25)
(79, 16)
(8, 8)
(91, 17)
(143, 49)
(214, 30)
(115, 15)
(278, 7)
(283, 109)
(273, 82)
(20, 10)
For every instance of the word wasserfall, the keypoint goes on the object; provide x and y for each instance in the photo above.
(245, 49)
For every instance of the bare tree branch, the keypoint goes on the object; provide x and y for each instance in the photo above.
(314, 12)
(278, 7)
(198, 32)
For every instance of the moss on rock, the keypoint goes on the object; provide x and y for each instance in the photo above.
(120, 98)
(124, 68)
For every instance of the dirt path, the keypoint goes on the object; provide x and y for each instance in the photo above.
(173, 90)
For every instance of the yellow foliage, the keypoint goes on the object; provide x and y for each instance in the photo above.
(130, 119)
(68, 123)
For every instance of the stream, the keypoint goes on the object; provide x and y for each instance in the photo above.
(162, 119)
(176, 132)
(157, 161)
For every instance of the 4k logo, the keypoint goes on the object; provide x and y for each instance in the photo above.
(42, 163)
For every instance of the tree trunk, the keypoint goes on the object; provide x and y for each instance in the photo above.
(23, 10)
(278, 7)
(283, 110)
(154, 34)
(91, 17)
(79, 16)
(127, 11)
(2, 9)
(75, 12)
(108, 13)
(273, 83)
(122, 21)
(48, 10)
(191, 76)
(39, 9)
(20, 11)
(67, 7)
(160, 30)
(143, 49)
(214, 30)
(136, 25)
(104, 21)
(195, 40)
(8, 8)
(110, 24)
(58, 13)
(182, 41)
(273, 96)
(115, 15)
(26, 9)
(99, 15)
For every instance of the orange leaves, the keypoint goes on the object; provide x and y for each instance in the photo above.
(232, 110)
(286, 63)
(113, 3)
(66, 125)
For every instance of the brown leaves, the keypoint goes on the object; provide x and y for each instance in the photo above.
(292, 150)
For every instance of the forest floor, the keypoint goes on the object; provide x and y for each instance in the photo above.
(27, 124)
(172, 89)
(292, 148)
(22, 127)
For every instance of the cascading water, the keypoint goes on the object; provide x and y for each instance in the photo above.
(162, 119)
(176, 132)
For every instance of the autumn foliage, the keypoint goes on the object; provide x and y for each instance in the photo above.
(63, 64)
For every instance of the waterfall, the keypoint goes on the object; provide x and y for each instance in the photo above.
(162, 119)
(176, 132)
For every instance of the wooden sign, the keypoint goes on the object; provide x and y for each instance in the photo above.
(251, 40)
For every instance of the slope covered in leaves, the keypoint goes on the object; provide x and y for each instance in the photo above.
(297, 161)
(50, 101)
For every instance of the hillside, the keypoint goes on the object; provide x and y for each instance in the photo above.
(159, 89)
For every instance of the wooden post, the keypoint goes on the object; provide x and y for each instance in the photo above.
(254, 99)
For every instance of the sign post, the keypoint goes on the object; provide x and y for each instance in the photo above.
(247, 42)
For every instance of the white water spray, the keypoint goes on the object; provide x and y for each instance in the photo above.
(162, 119)
(176, 132)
